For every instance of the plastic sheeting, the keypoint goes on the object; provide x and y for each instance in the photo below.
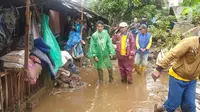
(50, 40)
(74, 38)
(101, 47)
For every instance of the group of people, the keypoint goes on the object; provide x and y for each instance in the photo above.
(130, 49)
(133, 49)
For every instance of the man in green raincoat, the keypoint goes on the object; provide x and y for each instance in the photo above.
(101, 49)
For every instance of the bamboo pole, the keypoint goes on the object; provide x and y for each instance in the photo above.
(27, 35)
(82, 5)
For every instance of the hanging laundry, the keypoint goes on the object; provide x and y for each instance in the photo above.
(34, 69)
(45, 61)
(8, 20)
(2, 34)
(77, 51)
(41, 45)
(74, 38)
(66, 57)
(50, 40)
(34, 29)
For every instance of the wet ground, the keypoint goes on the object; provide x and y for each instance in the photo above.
(106, 97)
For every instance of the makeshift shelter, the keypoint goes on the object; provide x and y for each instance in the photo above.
(15, 90)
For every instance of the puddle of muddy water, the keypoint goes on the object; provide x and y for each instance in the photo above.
(106, 97)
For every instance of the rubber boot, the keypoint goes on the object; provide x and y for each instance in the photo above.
(123, 79)
(110, 72)
(130, 78)
(134, 67)
(143, 69)
(159, 108)
(100, 73)
(138, 69)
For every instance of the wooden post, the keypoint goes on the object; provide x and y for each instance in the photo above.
(2, 98)
(82, 5)
(82, 12)
(27, 37)
(6, 80)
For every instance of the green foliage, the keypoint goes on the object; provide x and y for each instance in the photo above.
(191, 6)
(120, 10)
(189, 3)
(113, 10)
(161, 32)
(148, 11)
(196, 14)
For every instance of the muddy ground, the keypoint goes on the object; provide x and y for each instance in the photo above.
(106, 97)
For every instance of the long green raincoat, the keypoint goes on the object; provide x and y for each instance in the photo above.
(101, 46)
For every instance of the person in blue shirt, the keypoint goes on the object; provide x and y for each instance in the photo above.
(143, 44)
(134, 31)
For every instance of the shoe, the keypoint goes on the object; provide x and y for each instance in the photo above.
(123, 79)
(111, 80)
(138, 69)
(130, 82)
(159, 108)
(143, 69)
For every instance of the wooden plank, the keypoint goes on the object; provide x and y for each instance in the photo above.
(29, 89)
(6, 80)
(2, 98)
(2, 74)
(23, 87)
(37, 95)
(12, 89)
(19, 88)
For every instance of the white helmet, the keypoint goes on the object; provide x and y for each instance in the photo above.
(123, 24)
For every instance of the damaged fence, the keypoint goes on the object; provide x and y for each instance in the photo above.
(15, 91)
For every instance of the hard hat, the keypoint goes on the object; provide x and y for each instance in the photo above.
(123, 24)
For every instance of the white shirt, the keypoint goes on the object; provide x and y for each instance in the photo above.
(66, 57)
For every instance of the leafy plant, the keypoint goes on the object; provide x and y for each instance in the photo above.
(161, 31)
(121, 10)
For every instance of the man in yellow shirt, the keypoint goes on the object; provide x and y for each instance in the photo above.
(185, 61)
(125, 52)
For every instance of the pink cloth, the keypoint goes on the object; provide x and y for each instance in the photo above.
(34, 69)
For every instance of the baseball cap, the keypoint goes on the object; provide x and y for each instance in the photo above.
(143, 26)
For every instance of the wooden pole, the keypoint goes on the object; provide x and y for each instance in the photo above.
(82, 5)
(27, 35)
(2, 96)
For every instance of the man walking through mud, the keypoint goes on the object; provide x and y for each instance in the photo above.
(102, 50)
(143, 44)
(183, 74)
(125, 52)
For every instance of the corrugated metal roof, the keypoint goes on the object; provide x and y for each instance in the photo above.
(65, 6)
